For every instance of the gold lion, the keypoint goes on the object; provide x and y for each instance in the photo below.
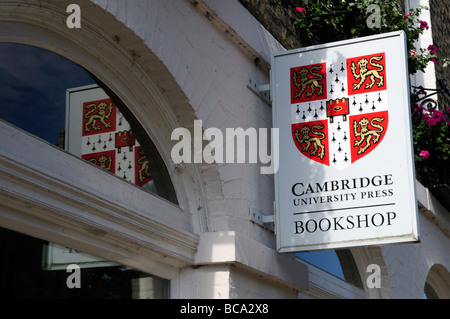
(103, 161)
(313, 83)
(144, 171)
(101, 115)
(365, 73)
(367, 135)
(315, 141)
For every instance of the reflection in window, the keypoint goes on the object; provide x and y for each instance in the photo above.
(25, 273)
(33, 85)
(99, 133)
(339, 263)
(36, 91)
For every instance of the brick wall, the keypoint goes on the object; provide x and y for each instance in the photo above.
(440, 12)
(278, 17)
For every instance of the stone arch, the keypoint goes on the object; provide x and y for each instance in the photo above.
(437, 284)
(363, 257)
(121, 60)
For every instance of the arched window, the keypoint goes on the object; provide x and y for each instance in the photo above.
(40, 92)
(60, 102)
(339, 263)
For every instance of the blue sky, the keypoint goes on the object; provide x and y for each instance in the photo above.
(33, 85)
(324, 259)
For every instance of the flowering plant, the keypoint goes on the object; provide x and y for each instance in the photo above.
(331, 20)
(431, 138)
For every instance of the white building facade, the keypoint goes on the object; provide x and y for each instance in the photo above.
(171, 63)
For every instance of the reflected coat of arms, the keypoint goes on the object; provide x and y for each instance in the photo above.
(109, 142)
(338, 108)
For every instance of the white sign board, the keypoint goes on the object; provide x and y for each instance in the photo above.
(58, 257)
(346, 175)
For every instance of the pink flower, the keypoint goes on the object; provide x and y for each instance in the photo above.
(424, 154)
(435, 117)
(439, 115)
(412, 53)
(432, 48)
(419, 107)
(406, 15)
(300, 9)
(432, 121)
(433, 60)
(423, 24)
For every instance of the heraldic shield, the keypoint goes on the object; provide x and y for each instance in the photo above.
(339, 108)
(109, 142)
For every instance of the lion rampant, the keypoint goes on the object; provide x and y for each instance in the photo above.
(365, 73)
(144, 171)
(315, 141)
(313, 83)
(100, 116)
(365, 134)
(103, 161)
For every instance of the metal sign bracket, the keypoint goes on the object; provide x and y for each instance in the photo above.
(266, 221)
(263, 91)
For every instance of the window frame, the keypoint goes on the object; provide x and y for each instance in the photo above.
(58, 197)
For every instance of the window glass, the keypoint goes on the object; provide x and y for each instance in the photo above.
(59, 101)
(33, 85)
(324, 259)
(339, 263)
(27, 271)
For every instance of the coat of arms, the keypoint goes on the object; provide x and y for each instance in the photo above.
(109, 142)
(339, 108)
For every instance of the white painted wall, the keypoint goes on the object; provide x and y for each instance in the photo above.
(211, 70)
(408, 265)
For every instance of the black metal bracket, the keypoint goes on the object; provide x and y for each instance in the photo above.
(428, 102)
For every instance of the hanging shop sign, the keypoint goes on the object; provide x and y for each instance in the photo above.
(346, 173)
